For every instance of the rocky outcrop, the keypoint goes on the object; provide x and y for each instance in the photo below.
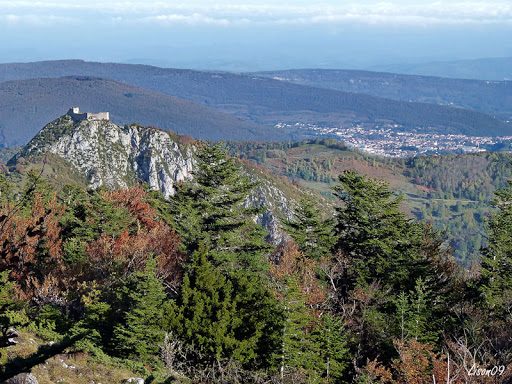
(117, 157)
(135, 380)
(22, 378)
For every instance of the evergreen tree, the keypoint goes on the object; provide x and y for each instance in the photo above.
(381, 243)
(140, 297)
(224, 317)
(6, 193)
(386, 254)
(88, 216)
(7, 304)
(332, 345)
(414, 315)
(226, 284)
(312, 234)
(496, 280)
(211, 209)
(299, 350)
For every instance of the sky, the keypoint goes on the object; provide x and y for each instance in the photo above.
(255, 35)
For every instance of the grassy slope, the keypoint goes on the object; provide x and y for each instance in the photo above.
(70, 367)
(54, 168)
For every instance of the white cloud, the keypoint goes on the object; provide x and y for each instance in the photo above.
(36, 20)
(194, 19)
(224, 13)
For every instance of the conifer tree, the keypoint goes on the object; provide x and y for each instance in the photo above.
(313, 235)
(331, 338)
(218, 229)
(381, 243)
(225, 317)
(6, 304)
(206, 315)
(211, 209)
(496, 280)
(299, 350)
(140, 298)
(414, 315)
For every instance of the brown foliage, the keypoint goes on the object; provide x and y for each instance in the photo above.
(30, 244)
(374, 373)
(419, 364)
(134, 200)
(126, 253)
(30, 247)
(292, 262)
(130, 251)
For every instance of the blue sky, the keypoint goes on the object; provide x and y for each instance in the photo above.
(251, 35)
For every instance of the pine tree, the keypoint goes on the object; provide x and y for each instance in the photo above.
(381, 243)
(140, 329)
(496, 280)
(211, 209)
(312, 234)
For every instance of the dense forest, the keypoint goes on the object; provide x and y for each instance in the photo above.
(187, 289)
(491, 97)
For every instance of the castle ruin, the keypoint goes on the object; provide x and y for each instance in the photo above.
(76, 115)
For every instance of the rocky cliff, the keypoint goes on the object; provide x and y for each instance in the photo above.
(117, 157)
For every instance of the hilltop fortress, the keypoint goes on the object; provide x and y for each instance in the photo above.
(75, 113)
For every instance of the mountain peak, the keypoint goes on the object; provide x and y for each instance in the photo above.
(112, 155)
(102, 153)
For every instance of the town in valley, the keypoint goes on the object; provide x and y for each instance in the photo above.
(390, 140)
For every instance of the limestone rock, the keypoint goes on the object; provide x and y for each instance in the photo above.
(135, 380)
(23, 378)
(116, 157)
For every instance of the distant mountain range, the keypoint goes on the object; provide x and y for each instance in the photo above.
(27, 105)
(490, 97)
(260, 102)
(498, 68)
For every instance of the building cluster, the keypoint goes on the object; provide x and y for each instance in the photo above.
(388, 140)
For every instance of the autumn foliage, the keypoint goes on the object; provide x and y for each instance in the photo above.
(30, 242)
(147, 237)
(31, 239)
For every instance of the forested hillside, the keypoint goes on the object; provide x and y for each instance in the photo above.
(491, 97)
(260, 100)
(186, 289)
(492, 68)
(26, 106)
(452, 192)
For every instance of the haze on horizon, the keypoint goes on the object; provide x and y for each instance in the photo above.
(255, 35)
